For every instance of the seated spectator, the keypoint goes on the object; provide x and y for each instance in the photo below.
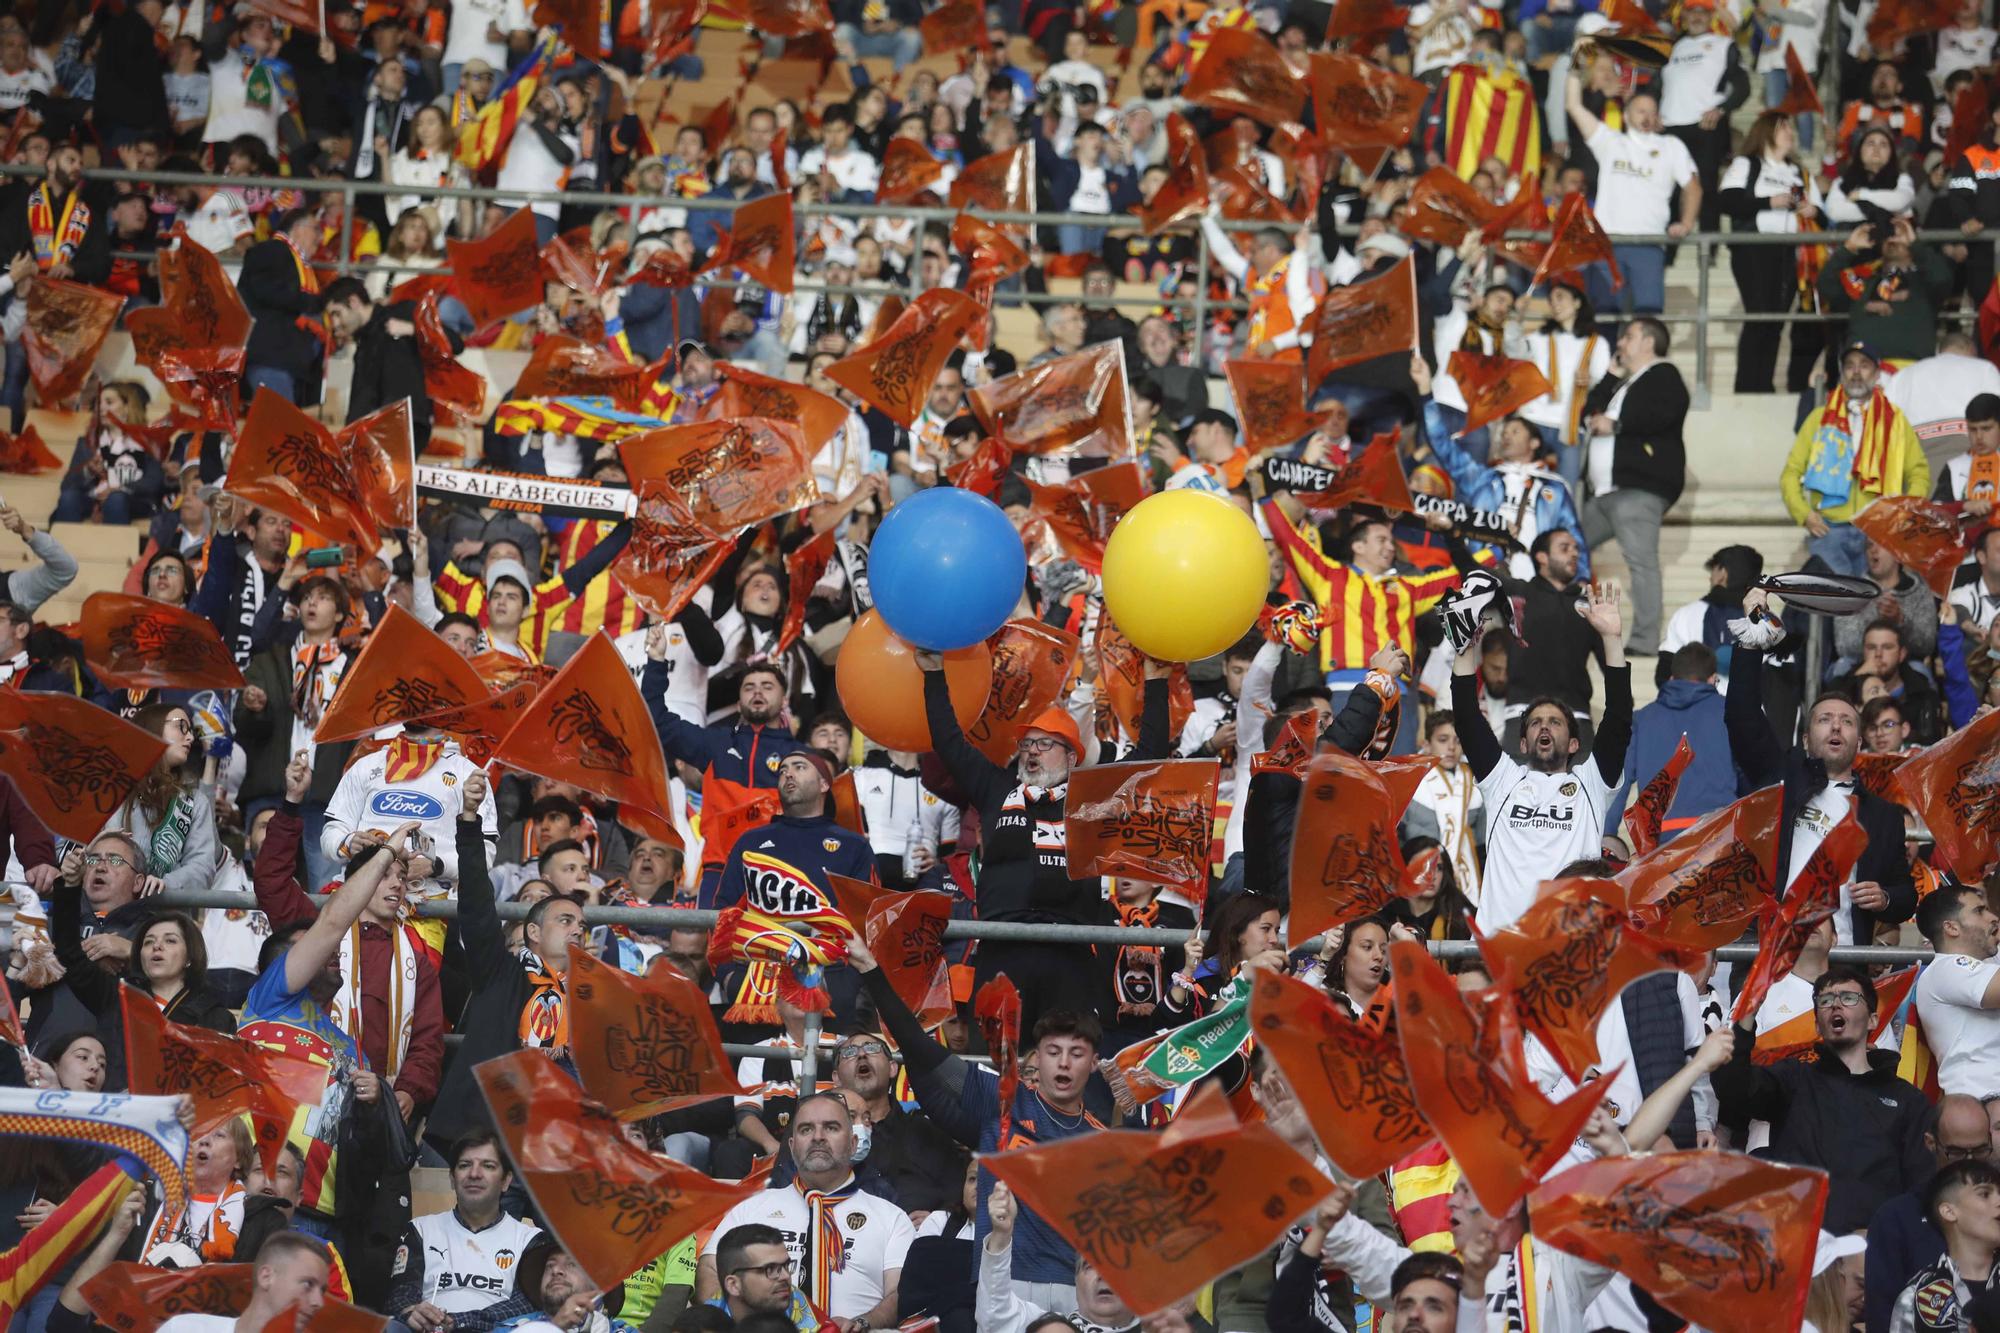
(1885, 656)
(1901, 1239)
(27, 588)
(754, 1276)
(112, 478)
(171, 813)
(453, 1268)
(1854, 449)
(1963, 1203)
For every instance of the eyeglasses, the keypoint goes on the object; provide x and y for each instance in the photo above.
(1840, 999)
(1039, 744)
(1980, 1153)
(106, 859)
(771, 1272)
(851, 1053)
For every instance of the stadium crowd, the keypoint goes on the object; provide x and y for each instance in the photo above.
(1447, 612)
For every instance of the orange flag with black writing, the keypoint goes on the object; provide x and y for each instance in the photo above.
(1723, 1239)
(590, 727)
(1346, 863)
(1159, 1215)
(404, 672)
(1955, 786)
(894, 372)
(1527, 211)
(803, 569)
(73, 762)
(1467, 1068)
(644, 1045)
(1810, 899)
(1293, 747)
(1270, 402)
(909, 171)
(1349, 1079)
(1241, 73)
(1002, 182)
(457, 388)
(761, 238)
(137, 643)
(25, 454)
(499, 274)
(1153, 820)
(991, 258)
(1030, 663)
(997, 1010)
(351, 486)
(745, 393)
(1443, 208)
(1576, 241)
(1701, 889)
(1077, 402)
(130, 1297)
(1495, 386)
(1363, 320)
(1185, 191)
(482, 725)
(1122, 669)
(67, 325)
(733, 474)
(1364, 20)
(1649, 808)
(381, 452)
(1899, 20)
(1080, 513)
(905, 932)
(1929, 536)
(1374, 476)
(565, 367)
(956, 27)
(580, 1170)
(200, 326)
(1359, 104)
(670, 555)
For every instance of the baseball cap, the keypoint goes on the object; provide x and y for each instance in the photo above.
(508, 569)
(1865, 348)
(1058, 723)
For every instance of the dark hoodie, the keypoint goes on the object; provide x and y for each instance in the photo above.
(1691, 708)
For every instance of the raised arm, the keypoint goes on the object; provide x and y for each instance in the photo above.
(1475, 733)
(479, 928)
(1657, 1111)
(308, 956)
(984, 781)
(1614, 733)
(939, 1078)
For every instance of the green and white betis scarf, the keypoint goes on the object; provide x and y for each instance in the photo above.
(1148, 1070)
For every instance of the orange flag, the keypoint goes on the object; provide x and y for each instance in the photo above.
(503, 671)
(1642, 821)
(138, 643)
(909, 171)
(1160, 1214)
(1927, 535)
(563, 367)
(481, 726)
(644, 1045)
(1801, 97)
(1495, 386)
(1081, 513)
(67, 325)
(1363, 320)
(590, 727)
(1722, 1239)
(225, 1076)
(578, 20)
(991, 258)
(1241, 73)
(1525, 212)
(761, 238)
(1565, 961)
(1030, 663)
(1466, 1067)
(1184, 193)
(382, 458)
(25, 454)
(670, 555)
(137, 1298)
(1002, 182)
(955, 27)
(997, 1010)
(1359, 104)
(1812, 898)
(1899, 20)
(500, 273)
(10, 1020)
(1349, 1080)
(1576, 241)
(894, 372)
(199, 325)
(983, 469)
(1955, 786)
(403, 672)
(803, 569)
(788, 18)
(1077, 402)
(1373, 476)
(1443, 208)
(1153, 820)
(905, 932)
(1244, 199)
(1364, 20)
(1701, 889)
(1123, 669)
(457, 388)
(570, 261)
(1345, 860)
(351, 486)
(1293, 748)
(745, 393)
(1271, 402)
(733, 474)
(581, 1171)
(73, 762)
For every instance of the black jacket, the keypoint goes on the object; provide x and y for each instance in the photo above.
(1552, 655)
(131, 87)
(271, 291)
(1273, 801)
(91, 264)
(1865, 1130)
(1763, 762)
(387, 368)
(491, 1020)
(1648, 453)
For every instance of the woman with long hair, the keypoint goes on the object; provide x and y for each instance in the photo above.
(1836, 1299)
(1766, 190)
(171, 813)
(1247, 928)
(428, 159)
(1872, 186)
(1439, 910)
(1357, 966)
(1573, 356)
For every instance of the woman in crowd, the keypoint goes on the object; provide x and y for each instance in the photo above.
(1572, 356)
(1872, 187)
(1249, 928)
(205, 1228)
(1357, 967)
(1438, 911)
(424, 162)
(1765, 190)
(171, 812)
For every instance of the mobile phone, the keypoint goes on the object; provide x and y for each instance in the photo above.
(323, 557)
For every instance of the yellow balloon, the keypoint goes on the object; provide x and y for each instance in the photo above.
(1185, 575)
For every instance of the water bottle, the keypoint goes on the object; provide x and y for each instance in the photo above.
(912, 844)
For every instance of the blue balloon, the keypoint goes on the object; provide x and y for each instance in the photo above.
(946, 568)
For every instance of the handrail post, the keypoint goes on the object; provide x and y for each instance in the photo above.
(1201, 299)
(1703, 251)
(917, 261)
(346, 229)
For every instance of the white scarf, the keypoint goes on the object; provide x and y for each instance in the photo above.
(402, 995)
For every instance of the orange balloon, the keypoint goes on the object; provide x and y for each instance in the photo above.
(882, 687)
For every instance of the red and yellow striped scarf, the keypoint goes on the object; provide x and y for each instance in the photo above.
(55, 240)
(409, 759)
(826, 1248)
(309, 284)
(1871, 451)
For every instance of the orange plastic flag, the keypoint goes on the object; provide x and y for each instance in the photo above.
(568, 260)
(803, 569)
(137, 1298)
(983, 469)
(733, 474)
(1153, 820)
(1527, 211)
(1722, 1239)
(1364, 20)
(1801, 96)
(73, 762)
(200, 319)
(1955, 786)
(909, 170)
(894, 372)
(1565, 961)
(67, 325)
(1081, 513)
(1927, 535)
(1642, 821)
(138, 643)
(745, 393)
(404, 672)
(453, 386)
(1160, 1214)
(670, 555)
(500, 273)
(590, 727)
(1345, 860)
(787, 18)
(563, 367)
(1293, 747)
(1812, 898)
(1030, 663)
(1077, 402)
(1244, 198)
(1576, 241)
(1002, 182)
(991, 252)
(905, 932)
(1897, 21)
(1444, 208)
(644, 1045)
(1185, 191)
(1465, 1062)
(1349, 1079)
(1701, 889)
(351, 486)
(1374, 476)
(580, 1171)
(1270, 401)
(225, 1076)
(1122, 668)
(953, 28)
(381, 454)
(997, 1010)
(1242, 74)
(1359, 104)
(1363, 320)
(1495, 386)
(761, 238)
(481, 726)
(331, 1317)
(25, 454)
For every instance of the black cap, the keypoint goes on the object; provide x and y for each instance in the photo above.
(1866, 349)
(535, 1260)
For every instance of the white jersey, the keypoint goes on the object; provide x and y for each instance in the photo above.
(875, 1236)
(1964, 1034)
(1637, 176)
(893, 802)
(233, 936)
(1692, 84)
(464, 1270)
(199, 1323)
(1536, 823)
(687, 679)
(365, 799)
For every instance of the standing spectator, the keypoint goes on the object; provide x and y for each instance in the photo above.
(1638, 170)
(1088, 181)
(282, 295)
(1959, 990)
(286, 691)
(1279, 283)
(1765, 190)
(847, 171)
(1901, 1238)
(1573, 356)
(131, 94)
(489, 32)
(1963, 1203)
(545, 145)
(1703, 82)
(1942, 395)
(387, 364)
(1551, 656)
(64, 230)
(453, 1268)
(419, 776)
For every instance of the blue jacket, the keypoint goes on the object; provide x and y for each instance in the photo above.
(780, 865)
(1693, 707)
(702, 222)
(1901, 1244)
(1482, 487)
(743, 754)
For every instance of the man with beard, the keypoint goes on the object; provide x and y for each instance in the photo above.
(67, 235)
(918, 1159)
(822, 1213)
(1551, 656)
(1545, 809)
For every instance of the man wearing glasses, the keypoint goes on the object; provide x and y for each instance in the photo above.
(922, 1163)
(1844, 1110)
(756, 1272)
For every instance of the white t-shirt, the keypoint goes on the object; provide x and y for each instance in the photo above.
(1536, 823)
(466, 38)
(199, 1323)
(1965, 1036)
(875, 1236)
(1636, 178)
(851, 169)
(687, 678)
(15, 88)
(1815, 820)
